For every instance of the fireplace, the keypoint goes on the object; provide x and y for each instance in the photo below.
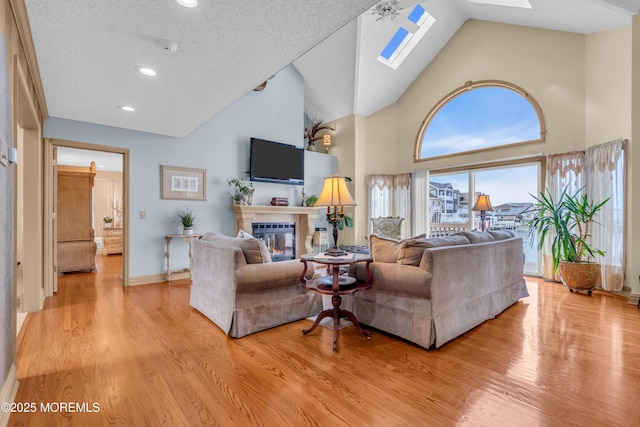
(302, 216)
(280, 238)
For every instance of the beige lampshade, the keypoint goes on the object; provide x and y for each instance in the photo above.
(483, 203)
(326, 139)
(335, 193)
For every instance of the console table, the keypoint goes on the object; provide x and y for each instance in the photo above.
(189, 238)
(336, 285)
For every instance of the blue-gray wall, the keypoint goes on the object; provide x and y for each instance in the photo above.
(6, 223)
(221, 146)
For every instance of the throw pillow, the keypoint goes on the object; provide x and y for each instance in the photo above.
(502, 234)
(255, 250)
(478, 236)
(387, 250)
(411, 251)
(244, 235)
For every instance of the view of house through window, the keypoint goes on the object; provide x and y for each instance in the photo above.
(509, 189)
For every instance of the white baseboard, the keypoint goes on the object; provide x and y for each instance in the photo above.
(156, 278)
(8, 393)
(633, 299)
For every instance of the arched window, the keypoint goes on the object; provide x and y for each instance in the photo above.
(478, 116)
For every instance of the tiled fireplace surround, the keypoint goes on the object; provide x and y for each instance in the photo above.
(303, 217)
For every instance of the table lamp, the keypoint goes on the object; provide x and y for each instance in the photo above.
(335, 196)
(483, 204)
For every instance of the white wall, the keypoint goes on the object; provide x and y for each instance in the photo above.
(220, 146)
(608, 83)
(6, 223)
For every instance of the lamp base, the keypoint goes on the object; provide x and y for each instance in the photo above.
(335, 251)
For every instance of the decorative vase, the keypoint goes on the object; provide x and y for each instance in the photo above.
(250, 196)
(187, 230)
(108, 225)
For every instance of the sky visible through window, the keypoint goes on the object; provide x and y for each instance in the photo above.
(480, 118)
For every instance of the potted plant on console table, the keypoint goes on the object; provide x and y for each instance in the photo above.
(567, 223)
(187, 219)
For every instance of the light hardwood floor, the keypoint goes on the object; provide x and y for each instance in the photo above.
(147, 358)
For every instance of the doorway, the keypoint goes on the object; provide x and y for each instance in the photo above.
(111, 163)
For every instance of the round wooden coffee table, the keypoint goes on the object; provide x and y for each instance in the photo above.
(336, 285)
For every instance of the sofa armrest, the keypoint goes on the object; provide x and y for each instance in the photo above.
(462, 274)
(253, 277)
(396, 278)
(213, 286)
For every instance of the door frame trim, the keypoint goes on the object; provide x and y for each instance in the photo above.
(55, 142)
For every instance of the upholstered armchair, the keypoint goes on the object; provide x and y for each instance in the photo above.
(388, 227)
(237, 286)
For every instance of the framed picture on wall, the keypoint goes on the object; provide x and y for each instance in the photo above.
(180, 183)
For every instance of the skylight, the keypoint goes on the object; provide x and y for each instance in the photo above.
(403, 41)
(509, 3)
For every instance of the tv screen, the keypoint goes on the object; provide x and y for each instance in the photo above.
(276, 162)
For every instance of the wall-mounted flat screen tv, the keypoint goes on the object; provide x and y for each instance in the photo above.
(276, 162)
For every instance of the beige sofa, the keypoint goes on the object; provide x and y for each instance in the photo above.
(430, 291)
(235, 285)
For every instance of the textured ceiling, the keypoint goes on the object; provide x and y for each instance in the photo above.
(88, 52)
(365, 85)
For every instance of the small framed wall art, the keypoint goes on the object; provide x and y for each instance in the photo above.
(180, 183)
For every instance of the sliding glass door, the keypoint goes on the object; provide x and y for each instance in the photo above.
(510, 189)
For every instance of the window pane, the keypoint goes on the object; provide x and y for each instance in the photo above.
(483, 117)
(448, 204)
(510, 191)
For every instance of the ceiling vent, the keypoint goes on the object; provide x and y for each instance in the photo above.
(168, 45)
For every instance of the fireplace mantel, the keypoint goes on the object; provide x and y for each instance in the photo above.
(303, 217)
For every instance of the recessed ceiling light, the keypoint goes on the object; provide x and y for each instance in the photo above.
(148, 71)
(127, 108)
(188, 3)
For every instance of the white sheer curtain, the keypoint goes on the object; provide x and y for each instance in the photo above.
(420, 197)
(389, 195)
(563, 170)
(380, 195)
(605, 179)
(105, 193)
(600, 170)
(402, 201)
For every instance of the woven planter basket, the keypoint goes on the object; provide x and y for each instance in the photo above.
(583, 276)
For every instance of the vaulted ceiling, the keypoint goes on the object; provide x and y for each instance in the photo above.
(343, 76)
(89, 52)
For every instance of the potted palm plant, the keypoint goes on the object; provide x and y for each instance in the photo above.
(567, 223)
